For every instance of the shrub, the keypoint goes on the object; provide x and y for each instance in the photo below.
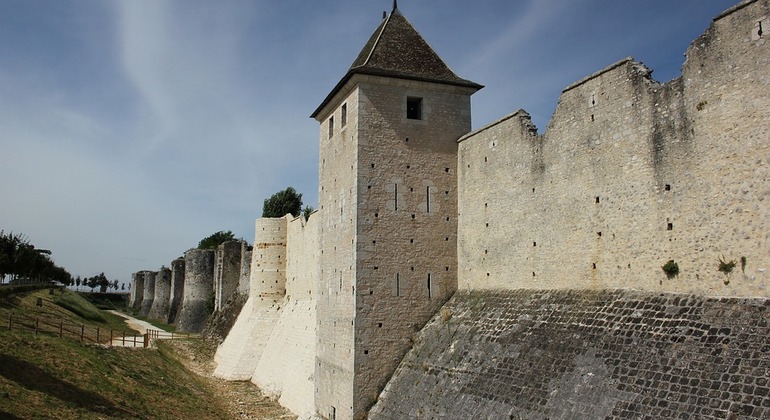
(671, 268)
(726, 266)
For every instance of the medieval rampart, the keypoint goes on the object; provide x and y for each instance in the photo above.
(630, 174)
(227, 272)
(198, 290)
(162, 295)
(177, 289)
(137, 290)
(149, 292)
(585, 354)
(273, 341)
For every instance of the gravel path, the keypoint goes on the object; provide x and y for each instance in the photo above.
(243, 399)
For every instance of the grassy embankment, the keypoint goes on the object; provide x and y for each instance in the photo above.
(45, 376)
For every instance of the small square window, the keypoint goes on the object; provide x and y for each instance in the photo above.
(414, 108)
(344, 115)
(331, 127)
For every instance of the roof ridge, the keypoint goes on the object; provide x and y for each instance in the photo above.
(379, 36)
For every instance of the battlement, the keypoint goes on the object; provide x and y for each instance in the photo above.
(630, 174)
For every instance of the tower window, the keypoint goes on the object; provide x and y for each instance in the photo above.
(414, 108)
(344, 115)
(331, 127)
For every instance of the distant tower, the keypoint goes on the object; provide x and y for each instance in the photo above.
(388, 198)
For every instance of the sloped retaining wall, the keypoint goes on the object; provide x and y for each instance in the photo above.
(586, 354)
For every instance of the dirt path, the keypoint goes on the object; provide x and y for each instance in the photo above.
(243, 399)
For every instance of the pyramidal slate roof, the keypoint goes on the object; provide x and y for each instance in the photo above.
(397, 50)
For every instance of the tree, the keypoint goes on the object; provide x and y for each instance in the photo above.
(215, 239)
(288, 201)
(92, 282)
(306, 212)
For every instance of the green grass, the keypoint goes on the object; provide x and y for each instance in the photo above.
(78, 306)
(44, 376)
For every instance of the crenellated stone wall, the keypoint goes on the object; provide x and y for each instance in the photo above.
(538, 232)
(630, 174)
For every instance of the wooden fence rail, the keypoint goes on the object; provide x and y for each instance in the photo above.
(87, 334)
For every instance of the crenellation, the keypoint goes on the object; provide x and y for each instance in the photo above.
(539, 232)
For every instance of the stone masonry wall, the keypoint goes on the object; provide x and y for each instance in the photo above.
(227, 272)
(337, 218)
(239, 353)
(586, 354)
(177, 289)
(149, 292)
(162, 298)
(406, 245)
(137, 290)
(629, 174)
(273, 340)
(198, 290)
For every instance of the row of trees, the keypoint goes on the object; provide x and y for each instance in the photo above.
(20, 260)
(99, 281)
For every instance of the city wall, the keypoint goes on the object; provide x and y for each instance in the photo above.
(198, 288)
(630, 174)
(177, 289)
(273, 341)
(162, 295)
(149, 292)
(585, 354)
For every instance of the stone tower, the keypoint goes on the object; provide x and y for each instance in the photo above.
(388, 199)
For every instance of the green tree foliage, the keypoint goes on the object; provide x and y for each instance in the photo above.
(215, 239)
(288, 201)
(21, 260)
(306, 212)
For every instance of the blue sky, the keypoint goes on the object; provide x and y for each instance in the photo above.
(130, 130)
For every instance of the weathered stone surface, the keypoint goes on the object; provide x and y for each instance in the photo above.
(629, 174)
(586, 354)
(162, 298)
(177, 289)
(149, 292)
(197, 302)
(227, 272)
(137, 290)
(272, 343)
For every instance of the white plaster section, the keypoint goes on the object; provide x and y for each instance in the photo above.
(238, 355)
(273, 340)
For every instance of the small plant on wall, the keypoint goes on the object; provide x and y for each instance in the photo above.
(726, 267)
(671, 268)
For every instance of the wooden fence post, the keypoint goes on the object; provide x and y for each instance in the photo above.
(110, 337)
(97, 335)
(82, 332)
